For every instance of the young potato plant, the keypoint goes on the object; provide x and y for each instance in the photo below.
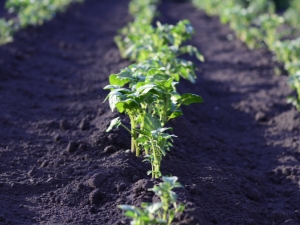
(256, 23)
(36, 12)
(143, 10)
(295, 84)
(142, 41)
(6, 31)
(269, 24)
(162, 212)
(292, 14)
(156, 143)
(150, 103)
(288, 52)
(28, 13)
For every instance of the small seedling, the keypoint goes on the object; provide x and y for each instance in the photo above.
(162, 212)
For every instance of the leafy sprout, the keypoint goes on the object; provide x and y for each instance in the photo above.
(162, 212)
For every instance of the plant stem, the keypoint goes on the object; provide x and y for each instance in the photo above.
(134, 147)
(155, 163)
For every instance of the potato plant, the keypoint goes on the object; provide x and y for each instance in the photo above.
(257, 24)
(295, 84)
(6, 31)
(146, 91)
(162, 212)
(143, 41)
(150, 103)
(35, 13)
(29, 13)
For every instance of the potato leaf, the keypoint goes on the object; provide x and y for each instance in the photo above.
(128, 104)
(114, 123)
(151, 123)
(120, 79)
(187, 99)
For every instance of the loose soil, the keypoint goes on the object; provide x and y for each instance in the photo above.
(237, 154)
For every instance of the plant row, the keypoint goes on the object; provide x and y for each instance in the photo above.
(146, 92)
(29, 12)
(257, 24)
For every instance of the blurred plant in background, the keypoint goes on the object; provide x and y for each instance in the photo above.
(29, 13)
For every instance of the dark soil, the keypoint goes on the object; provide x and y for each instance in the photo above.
(237, 154)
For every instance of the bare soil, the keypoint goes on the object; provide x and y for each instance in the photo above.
(237, 154)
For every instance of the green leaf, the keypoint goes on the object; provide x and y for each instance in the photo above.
(151, 123)
(120, 79)
(187, 99)
(145, 88)
(109, 87)
(154, 207)
(130, 214)
(113, 100)
(171, 180)
(153, 71)
(127, 105)
(175, 114)
(114, 123)
(141, 139)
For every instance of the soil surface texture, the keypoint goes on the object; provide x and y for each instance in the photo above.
(237, 154)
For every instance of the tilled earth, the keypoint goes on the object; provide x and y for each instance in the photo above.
(237, 154)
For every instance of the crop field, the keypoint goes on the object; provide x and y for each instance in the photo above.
(147, 112)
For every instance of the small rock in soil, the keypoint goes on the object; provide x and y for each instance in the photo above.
(44, 164)
(95, 196)
(71, 146)
(261, 117)
(84, 125)
(97, 180)
(64, 125)
(110, 149)
(57, 137)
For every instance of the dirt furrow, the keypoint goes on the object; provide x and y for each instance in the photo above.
(237, 154)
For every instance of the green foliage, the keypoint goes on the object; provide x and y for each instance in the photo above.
(36, 12)
(146, 91)
(256, 23)
(156, 142)
(6, 31)
(292, 14)
(29, 12)
(162, 212)
(150, 102)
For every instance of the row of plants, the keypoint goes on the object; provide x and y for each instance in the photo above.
(25, 13)
(146, 92)
(258, 25)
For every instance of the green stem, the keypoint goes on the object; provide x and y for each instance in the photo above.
(134, 147)
(164, 119)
